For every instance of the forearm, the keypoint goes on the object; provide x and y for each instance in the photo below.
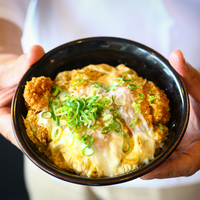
(10, 38)
(10, 48)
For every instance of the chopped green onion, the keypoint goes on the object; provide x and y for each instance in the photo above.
(94, 127)
(87, 139)
(52, 111)
(125, 143)
(116, 114)
(132, 86)
(160, 126)
(97, 86)
(101, 105)
(115, 102)
(115, 125)
(55, 103)
(68, 139)
(87, 148)
(105, 129)
(124, 78)
(94, 109)
(107, 117)
(123, 99)
(118, 84)
(140, 86)
(151, 98)
(76, 82)
(78, 139)
(57, 121)
(71, 104)
(60, 112)
(94, 91)
(107, 100)
(136, 107)
(46, 115)
(122, 120)
(56, 90)
(108, 122)
(34, 132)
(64, 98)
(79, 128)
(56, 133)
(63, 122)
(107, 89)
(141, 95)
(134, 121)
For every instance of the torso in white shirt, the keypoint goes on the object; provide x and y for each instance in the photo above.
(164, 25)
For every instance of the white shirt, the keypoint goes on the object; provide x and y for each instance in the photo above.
(163, 25)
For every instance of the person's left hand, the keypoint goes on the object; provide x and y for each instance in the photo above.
(12, 68)
(185, 161)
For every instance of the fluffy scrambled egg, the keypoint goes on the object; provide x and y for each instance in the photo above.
(97, 121)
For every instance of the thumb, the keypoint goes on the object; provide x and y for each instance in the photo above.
(35, 53)
(190, 75)
(15, 67)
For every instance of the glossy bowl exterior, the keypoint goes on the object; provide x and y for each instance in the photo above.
(113, 51)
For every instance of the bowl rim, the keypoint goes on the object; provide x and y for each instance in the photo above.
(73, 178)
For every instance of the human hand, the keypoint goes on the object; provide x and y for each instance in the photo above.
(12, 68)
(185, 161)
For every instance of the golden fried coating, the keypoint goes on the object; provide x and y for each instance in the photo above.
(160, 104)
(37, 91)
(37, 133)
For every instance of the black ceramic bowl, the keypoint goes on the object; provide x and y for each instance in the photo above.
(113, 51)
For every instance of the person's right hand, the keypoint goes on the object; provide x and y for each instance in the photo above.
(185, 161)
(12, 68)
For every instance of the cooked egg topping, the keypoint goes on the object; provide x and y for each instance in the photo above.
(99, 121)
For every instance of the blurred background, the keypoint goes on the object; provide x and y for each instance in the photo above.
(12, 186)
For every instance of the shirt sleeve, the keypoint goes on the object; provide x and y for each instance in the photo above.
(14, 11)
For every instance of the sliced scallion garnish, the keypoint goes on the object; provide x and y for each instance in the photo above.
(87, 139)
(132, 86)
(161, 127)
(34, 132)
(125, 144)
(55, 103)
(55, 90)
(118, 84)
(141, 95)
(68, 139)
(122, 120)
(107, 100)
(115, 102)
(120, 99)
(56, 133)
(151, 98)
(105, 129)
(46, 115)
(136, 107)
(124, 78)
(87, 148)
(134, 121)
(77, 81)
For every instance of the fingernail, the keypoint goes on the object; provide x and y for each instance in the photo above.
(184, 61)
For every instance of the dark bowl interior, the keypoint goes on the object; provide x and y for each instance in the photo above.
(113, 51)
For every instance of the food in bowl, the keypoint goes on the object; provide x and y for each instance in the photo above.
(98, 121)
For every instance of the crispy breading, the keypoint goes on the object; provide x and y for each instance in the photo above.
(38, 134)
(37, 91)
